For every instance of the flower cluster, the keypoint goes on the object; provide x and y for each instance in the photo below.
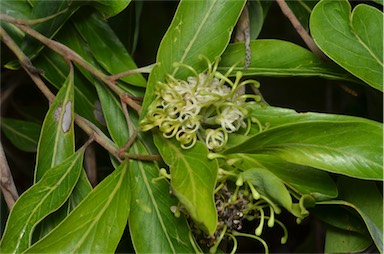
(206, 106)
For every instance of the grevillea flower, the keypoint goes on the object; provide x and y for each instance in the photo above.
(206, 106)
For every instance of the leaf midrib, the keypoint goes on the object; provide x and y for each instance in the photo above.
(51, 189)
(189, 46)
(154, 203)
(101, 212)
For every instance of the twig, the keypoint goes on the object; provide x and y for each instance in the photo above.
(27, 65)
(40, 20)
(145, 69)
(7, 184)
(69, 54)
(300, 29)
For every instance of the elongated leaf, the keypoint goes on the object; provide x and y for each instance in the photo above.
(341, 217)
(19, 10)
(269, 185)
(55, 69)
(368, 201)
(278, 58)
(343, 241)
(354, 41)
(302, 179)
(365, 198)
(58, 124)
(97, 223)
(56, 143)
(23, 134)
(193, 179)
(190, 35)
(99, 37)
(110, 8)
(258, 10)
(271, 117)
(40, 200)
(352, 148)
(153, 226)
(60, 12)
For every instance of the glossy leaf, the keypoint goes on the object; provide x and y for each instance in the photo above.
(354, 193)
(97, 223)
(60, 11)
(55, 71)
(193, 179)
(371, 210)
(40, 200)
(343, 241)
(341, 217)
(271, 117)
(302, 179)
(351, 147)
(190, 35)
(153, 226)
(276, 58)
(110, 8)
(23, 134)
(353, 40)
(258, 10)
(16, 9)
(106, 47)
(58, 124)
(269, 185)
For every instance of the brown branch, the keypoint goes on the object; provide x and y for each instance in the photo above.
(145, 69)
(26, 64)
(7, 184)
(300, 29)
(84, 124)
(69, 54)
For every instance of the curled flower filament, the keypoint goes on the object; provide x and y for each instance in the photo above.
(206, 106)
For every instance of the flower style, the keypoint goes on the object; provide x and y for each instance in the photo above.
(206, 106)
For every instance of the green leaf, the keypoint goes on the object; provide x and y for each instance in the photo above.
(60, 11)
(343, 241)
(278, 58)
(23, 134)
(19, 10)
(58, 125)
(352, 148)
(258, 10)
(190, 35)
(269, 185)
(153, 226)
(99, 37)
(341, 217)
(379, 1)
(271, 117)
(354, 41)
(110, 8)
(302, 179)
(97, 223)
(55, 71)
(193, 179)
(302, 10)
(365, 197)
(40, 200)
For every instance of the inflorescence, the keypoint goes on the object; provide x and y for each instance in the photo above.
(206, 106)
